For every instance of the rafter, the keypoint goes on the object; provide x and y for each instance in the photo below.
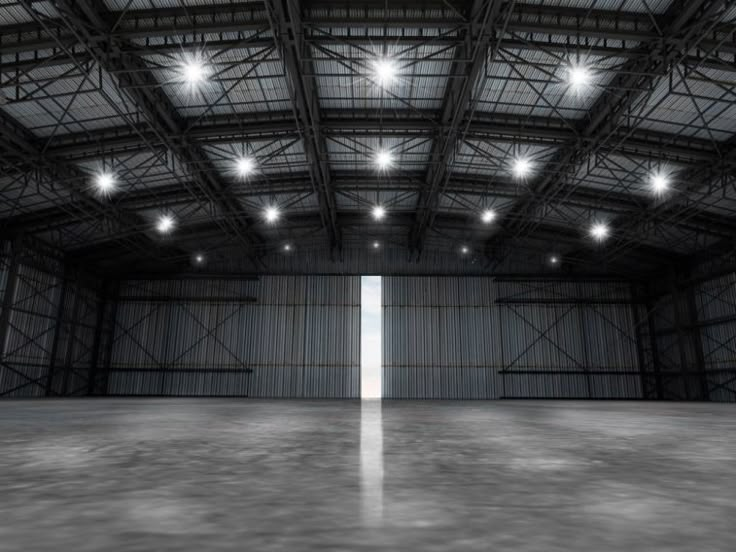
(285, 18)
(83, 16)
(689, 23)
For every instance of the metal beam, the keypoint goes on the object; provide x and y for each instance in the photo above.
(17, 143)
(690, 21)
(614, 203)
(578, 24)
(482, 126)
(285, 17)
(90, 23)
(477, 39)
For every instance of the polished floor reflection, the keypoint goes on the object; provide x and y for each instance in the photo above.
(92, 475)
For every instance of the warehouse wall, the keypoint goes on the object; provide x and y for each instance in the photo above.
(694, 324)
(47, 325)
(300, 338)
(480, 338)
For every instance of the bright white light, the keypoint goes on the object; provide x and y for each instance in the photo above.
(464, 250)
(379, 212)
(579, 77)
(272, 214)
(245, 166)
(199, 258)
(599, 231)
(522, 167)
(165, 224)
(376, 245)
(384, 71)
(370, 337)
(194, 71)
(105, 183)
(488, 216)
(384, 159)
(660, 183)
(287, 247)
(554, 259)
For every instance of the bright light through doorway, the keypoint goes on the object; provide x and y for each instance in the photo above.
(370, 337)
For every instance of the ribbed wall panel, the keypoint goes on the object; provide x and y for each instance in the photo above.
(39, 356)
(716, 305)
(455, 338)
(301, 338)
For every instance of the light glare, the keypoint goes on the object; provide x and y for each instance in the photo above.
(272, 214)
(376, 245)
(384, 159)
(165, 224)
(194, 71)
(379, 212)
(384, 71)
(488, 216)
(599, 231)
(660, 183)
(464, 250)
(579, 77)
(245, 166)
(522, 167)
(105, 182)
(287, 247)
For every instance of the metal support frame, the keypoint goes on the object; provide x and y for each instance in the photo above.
(286, 24)
(478, 37)
(637, 80)
(552, 296)
(58, 328)
(8, 300)
(103, 296)
(137, 81)
(167, 367)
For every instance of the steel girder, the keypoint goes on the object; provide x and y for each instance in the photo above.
(690, 21)
(482, 126)
(577, 23)
(135, 77)
(16, 144)
(285, 18)
(615, 204)
(478, 37)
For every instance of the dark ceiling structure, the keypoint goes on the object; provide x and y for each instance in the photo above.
(588, 134)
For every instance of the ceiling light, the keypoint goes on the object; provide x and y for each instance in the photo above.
(599, 231)
(522, 167)
(245, 166)
(194, 71)
(554, 260)
(199, 259)
(464, 250)
(384, 71)
(287, 247)
(272, 214)
(376, 245)
(379, 212)
(488, 216)
(384, 159)
(105, 182)
(660, 183)
(165, 224)
(579, 77)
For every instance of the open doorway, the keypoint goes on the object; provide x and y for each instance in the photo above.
(370, 337)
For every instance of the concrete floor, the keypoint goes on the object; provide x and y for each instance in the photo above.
(155, 475)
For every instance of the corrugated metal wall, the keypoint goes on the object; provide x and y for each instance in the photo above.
(478, 338)
(48, 327)
(202, 337)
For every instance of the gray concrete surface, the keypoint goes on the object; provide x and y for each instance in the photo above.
(156, 475)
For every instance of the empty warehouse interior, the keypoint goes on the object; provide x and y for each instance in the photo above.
(371, 274)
